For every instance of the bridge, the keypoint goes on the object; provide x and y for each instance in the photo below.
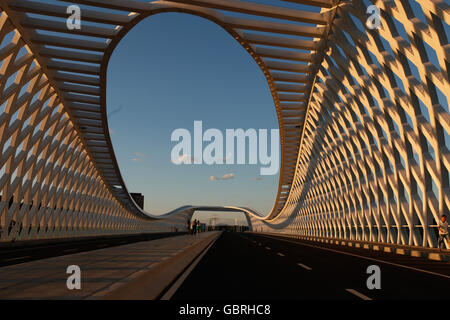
(363, 113)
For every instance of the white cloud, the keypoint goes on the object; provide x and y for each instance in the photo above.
(139, 157)
(224, 177)
(228, 176)
(185, 158)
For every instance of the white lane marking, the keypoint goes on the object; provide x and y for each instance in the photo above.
(18, 258)
(183, 277)
(358, 294)
(304, 266)
(280, 254)
(363, 257)
(267, 248)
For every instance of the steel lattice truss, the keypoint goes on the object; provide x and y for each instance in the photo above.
(363, 116)
(374, 163)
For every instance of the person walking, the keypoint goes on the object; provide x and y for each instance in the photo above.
(443, 232)
(197, 227)
(192, 227)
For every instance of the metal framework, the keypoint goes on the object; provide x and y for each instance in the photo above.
(363, 116)
(374, 160)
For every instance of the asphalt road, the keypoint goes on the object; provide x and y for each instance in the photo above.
(249, 266)
(16, 253)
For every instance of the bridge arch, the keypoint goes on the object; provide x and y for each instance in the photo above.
(365, 118)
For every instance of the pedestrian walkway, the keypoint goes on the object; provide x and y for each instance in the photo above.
(102, 271)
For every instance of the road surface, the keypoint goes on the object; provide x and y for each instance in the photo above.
(251, 266)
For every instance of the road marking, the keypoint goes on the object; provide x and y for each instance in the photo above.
(267, 248)
(363, 257)
(304, 266)
(280, 254)
(12, 259)
(358, 294)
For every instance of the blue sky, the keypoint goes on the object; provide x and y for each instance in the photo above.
(170, 70)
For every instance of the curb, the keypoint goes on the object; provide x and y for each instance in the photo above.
(151, 283)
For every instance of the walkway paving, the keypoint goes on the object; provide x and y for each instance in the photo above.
(102, 271)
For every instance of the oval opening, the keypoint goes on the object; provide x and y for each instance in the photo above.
(173, 69)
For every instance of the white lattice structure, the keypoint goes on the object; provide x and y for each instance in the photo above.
(374, 162)
(363, 116)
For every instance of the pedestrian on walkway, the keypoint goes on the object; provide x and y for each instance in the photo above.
(197, 227)
(192, 227)
(443, 232)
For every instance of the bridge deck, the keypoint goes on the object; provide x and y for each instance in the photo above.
(102, 270)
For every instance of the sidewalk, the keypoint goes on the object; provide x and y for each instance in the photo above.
(102, 271)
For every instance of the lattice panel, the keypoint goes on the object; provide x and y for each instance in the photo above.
(374, 161)
(49, 186)
(286, 41)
